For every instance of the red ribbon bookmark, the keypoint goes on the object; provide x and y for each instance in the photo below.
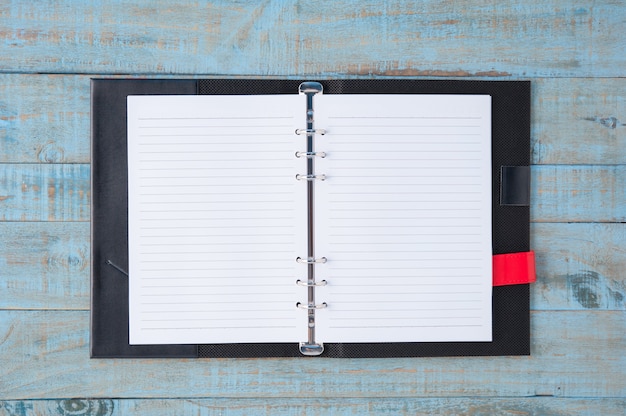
(514, 268)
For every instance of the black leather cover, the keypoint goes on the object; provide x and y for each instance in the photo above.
(109, 330)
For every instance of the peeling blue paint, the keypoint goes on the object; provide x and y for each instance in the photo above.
(7, 125)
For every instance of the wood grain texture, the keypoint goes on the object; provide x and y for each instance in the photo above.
(579, 266)
(395, 38)
(570, 193)
(45, 265)
(578, 121)
(40, 192)
(574, 354)
(44, 119)
(538, 406)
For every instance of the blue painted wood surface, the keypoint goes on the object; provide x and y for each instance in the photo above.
(572, 52)
(288, 37)
(575, 354)
(539, 406)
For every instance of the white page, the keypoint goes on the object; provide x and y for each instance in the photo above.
(216, 219)
(404, 218)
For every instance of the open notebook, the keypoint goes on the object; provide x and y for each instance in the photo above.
(218, 215)
(346, 220)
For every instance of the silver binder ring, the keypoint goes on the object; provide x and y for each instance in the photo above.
(302, 177)
(301, 305)
(311, 348)
(311, 260)
(310, 283)
(310, 131)
(311, 155)
(311, 87)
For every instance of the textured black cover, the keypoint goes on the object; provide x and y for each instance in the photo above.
(510, 147)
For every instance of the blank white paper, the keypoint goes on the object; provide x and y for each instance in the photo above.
(404, 218)
(216, 219)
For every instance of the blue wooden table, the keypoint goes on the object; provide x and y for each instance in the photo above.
(573, 52)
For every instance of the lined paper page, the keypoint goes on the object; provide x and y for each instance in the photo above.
(216, 219)
(404, 218)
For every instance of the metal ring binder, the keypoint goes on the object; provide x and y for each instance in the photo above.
(310, 155)
(300, 305)
(310, 347)
(310, 131)
(310, 87)
(308, 177)
(309, 284)
(311, 260)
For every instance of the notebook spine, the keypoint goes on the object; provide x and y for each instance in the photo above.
(310, 346)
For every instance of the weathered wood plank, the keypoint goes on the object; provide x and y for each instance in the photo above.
(579, 266)
(570, 193)
(396, 38)
(38, 192)
(578, 121)
(323, 406)
(60, 192)
(575, 354)
(45, 265)
(45, 119)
